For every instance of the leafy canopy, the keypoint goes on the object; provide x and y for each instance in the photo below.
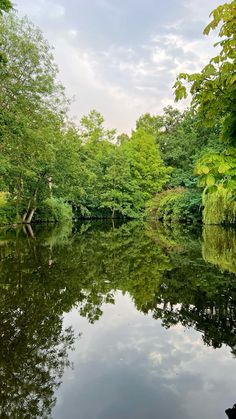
(5, 6)
(213, 90)
(213, 93)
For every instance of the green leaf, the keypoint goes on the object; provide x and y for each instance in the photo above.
(210, 180)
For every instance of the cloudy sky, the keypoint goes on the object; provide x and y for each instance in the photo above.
(121, 57)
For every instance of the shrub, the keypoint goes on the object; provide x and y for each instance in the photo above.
(176, 205)
(7, 209)
(54, 210)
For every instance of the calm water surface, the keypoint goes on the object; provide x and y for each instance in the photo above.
(132, 321)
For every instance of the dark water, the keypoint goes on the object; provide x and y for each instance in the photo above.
(130, 321)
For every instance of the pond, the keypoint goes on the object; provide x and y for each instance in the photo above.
(117, 321)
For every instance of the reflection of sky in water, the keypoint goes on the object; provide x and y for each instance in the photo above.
(126, 366)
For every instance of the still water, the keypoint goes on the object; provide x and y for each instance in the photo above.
(130, 321)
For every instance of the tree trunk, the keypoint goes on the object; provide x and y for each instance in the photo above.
(19, 184)
(27, 210)
(30, 216)
(29, 213)
(49, 180)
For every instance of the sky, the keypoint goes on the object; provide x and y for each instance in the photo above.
(121, 57)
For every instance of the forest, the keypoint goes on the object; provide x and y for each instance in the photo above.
(177, 166)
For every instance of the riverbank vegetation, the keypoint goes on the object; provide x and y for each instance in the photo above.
(172, 166)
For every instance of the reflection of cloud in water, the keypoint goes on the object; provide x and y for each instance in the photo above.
(128, 366)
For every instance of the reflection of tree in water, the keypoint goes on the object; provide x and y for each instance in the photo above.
(165, 275)
(33, 358)
(47, 273)
(198, 295)
(33, 344)
(219, 247)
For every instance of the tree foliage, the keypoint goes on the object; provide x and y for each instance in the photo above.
(32, 104)
(182, 140)
(45, 159)
(5, 6)
(48, 164)
(213, 93)
(213, 90)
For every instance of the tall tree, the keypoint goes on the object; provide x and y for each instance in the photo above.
(32, 106)
(213, 93)
(147, 168)
(182, 139)
(92, 128)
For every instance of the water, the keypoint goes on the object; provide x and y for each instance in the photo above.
(112, 321)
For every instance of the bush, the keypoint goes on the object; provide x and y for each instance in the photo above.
(7, 209)
(176, 205)
(54, 210)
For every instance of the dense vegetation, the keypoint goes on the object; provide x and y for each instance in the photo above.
(203, 144)
(213, 93)
(47, 164)
(51, 170)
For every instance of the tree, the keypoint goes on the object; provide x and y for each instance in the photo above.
(33, 106)
(151, 124)
(72, 177)
(213, 90)
(5, 6)
(182, 139)
(147, 168)
(213, 93)
(117, 184)
(92, 129)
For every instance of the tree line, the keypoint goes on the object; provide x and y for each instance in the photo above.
(170, 167)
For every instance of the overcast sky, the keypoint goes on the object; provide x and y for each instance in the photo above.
(121, 57)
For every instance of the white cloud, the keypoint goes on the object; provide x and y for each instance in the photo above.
(42, 9)
(122, 78)
(72, 33)
(160, 56)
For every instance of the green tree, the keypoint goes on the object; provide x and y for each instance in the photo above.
(213, 90)
(117, 185)
(152, 124)
(119, 176)
(5, 6)
(33, 106)
(92, 129)
(71, 173)
(182, 139)
(147, 168)
(213, 93)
